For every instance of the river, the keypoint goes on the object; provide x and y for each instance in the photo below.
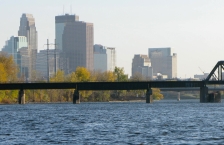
(162, 122)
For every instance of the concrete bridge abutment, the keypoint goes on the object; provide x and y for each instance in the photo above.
(21, 97)
(148, 96)
(76, 97)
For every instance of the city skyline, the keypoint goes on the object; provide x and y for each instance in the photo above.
(193, 28)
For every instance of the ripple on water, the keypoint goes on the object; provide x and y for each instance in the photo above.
(163, 122)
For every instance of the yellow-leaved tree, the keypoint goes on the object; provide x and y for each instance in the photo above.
(83, 75)
(156, 94)
(103, 95)
(8, 73)
(3, 76)
(9, 66)
(57, 95)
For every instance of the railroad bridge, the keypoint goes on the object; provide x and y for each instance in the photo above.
(214, 78)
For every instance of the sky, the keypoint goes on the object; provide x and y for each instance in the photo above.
(194, 29)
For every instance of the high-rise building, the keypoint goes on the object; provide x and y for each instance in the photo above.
(163, 61)
(27, 28)
(46, 60)
(104, 58)
(60, 23)
(76, 38)
(13, 47)
(141, 64)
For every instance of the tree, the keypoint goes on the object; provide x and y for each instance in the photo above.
(120, 76)
(8, 72)
(156, 94)
(59, 77)
(9, 66)
(137, 77)
(82, 74)
(3, 76)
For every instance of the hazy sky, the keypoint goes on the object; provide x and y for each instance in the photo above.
(193, 28)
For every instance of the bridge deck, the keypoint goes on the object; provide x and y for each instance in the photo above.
(102, 85)
(108, 85)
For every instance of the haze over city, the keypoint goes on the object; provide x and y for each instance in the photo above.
(193, 29)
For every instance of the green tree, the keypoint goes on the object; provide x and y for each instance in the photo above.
(120, 76)
(137, 77)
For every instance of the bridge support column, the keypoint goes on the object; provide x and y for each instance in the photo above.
(178, 96)
(76, 98)
(203, 94)
(148, 96)
(21, 97)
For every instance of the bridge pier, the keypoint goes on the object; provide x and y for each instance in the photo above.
(148, 96)
(21, 97)
(76, 98)
(203, 94)
(178, 96)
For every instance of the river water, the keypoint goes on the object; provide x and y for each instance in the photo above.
(163, 122)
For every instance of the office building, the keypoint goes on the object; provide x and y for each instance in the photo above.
(104, 58)
(14, 47)
(27, 28)
(163, 61)
(60, 23)
(141, 64)
(76, 38)
(47, 62)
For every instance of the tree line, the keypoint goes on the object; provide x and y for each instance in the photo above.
(9, 70)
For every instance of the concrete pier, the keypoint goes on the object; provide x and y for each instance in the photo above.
(214, 97)
(148, 96)
(76, 98)
(178, 96)
(203, 94)
(21, 97)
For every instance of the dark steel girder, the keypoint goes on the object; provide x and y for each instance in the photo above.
(218, 66)
(103, 85)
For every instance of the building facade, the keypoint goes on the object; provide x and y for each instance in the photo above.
(27, 28)
(163, 61)
(14, 46)
(60, 23)
(77, 39)
(104, 58)
(141, 64)
(47, 62)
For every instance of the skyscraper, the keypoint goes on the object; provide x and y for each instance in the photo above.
(27, 28)
(104, 58)
(60, 23)
(163, 61)
(76, 39)
(141, 64)
(46, 60)
(14, 47)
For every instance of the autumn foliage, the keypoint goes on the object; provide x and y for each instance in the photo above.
(8, 71)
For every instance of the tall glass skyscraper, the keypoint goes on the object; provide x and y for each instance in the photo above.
(75, 40)
(27, 28)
